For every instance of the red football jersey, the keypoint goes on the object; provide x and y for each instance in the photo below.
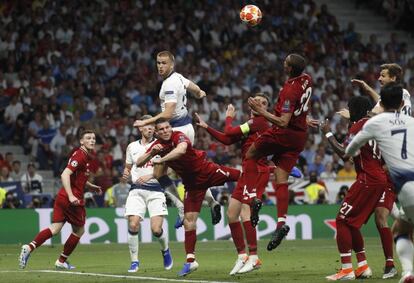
(257, 125)
(368, 163)
(191, 162)
(79, 164)
(294, 98)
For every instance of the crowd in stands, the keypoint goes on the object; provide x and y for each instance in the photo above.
(69, 65)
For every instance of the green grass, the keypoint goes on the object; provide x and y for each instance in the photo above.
(294, 261)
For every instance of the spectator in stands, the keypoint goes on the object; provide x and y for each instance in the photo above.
(44, 153)
(2, 196)
(317, 166)
(315, 192)
(32, 182)
(8, 127)
(347, 173)
(328, 174)
(36, 202)
(120, 192)
(90, 201)
(109, 200)
(5, 175)
(8, 161)
(12, 201)
(56, 146)
(341, 194)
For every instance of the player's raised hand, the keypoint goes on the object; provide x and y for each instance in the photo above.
(231, 111)
(201, 94)
(312, 122)
(325, 126)
(255, 105)
(344, 113)
(200, 122)
(139, 123)
(156, 149)
(359, 83)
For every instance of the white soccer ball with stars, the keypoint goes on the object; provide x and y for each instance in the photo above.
(251, 15)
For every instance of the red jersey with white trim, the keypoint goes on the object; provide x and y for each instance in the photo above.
(294, 98)
(191, 162)
(368, 163)
(79, 164)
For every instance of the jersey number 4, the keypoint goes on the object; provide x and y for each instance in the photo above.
(304, 101)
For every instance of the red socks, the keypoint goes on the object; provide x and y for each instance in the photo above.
(282, 197)
(386, 240)
(250, 237)
(40, 238)
(190, 242)
(69, 246)
(237, 235)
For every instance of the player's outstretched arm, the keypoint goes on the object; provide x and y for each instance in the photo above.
(358, 141)
(221, 137)
(95, 188)
(143, 159)
(126, 172)
(65, 177)
(325, 128)
(174, 154)
(167, 114)
(282, 121)
(196, 90)
(366, 88)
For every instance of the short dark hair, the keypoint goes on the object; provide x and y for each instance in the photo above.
(261, 94)
(145, 117)
(391, 95)
(358, 106)
(86, 131)
(298, 63)
(394, 70)
(161, 120)
(166, 53)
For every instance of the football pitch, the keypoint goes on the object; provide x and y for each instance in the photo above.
(293, 261)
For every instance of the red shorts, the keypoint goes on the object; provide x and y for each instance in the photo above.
(359, 203)
(245, 194)
(196, 185)
(63, 211)
(388, 198)
(284, 144)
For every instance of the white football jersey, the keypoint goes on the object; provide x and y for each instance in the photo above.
(394, 134)
(174, 89)
(406, 109)
(133, 152)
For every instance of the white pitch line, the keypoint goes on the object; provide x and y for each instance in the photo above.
(116, 276)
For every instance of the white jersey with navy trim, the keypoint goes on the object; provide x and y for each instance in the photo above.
(406, 109)
(133, 152)
(174, 89)
(394, 134)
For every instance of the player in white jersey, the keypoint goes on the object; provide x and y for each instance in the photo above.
(393, 134)
(145, 193)
(173, 97)
(391, 72)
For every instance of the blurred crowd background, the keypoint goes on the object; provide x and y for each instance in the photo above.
(69, 65)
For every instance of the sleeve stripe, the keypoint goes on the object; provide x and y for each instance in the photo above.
(245, 128)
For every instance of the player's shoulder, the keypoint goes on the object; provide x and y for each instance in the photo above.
(173, 78)
(357, 126)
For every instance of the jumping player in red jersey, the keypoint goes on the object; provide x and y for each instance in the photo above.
(363, 196)
(285, 139)
(197, 175)
(246, 189)
(69, 203)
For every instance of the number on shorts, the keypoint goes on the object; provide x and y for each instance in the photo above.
(304, 100)
(346, 208)
(223, 172)
(382, 199)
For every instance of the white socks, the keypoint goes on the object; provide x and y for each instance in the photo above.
(405, 252)
(133, 245)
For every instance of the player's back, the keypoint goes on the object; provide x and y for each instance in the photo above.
(294, 98)
(395, 136)
(174, 89)
(368, 163)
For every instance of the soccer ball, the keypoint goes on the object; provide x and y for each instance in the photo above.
(251, 15)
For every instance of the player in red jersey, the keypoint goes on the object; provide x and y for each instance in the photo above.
(69, 203)
(246, 189)
(197, 175)
(363, 196)
(285, 139)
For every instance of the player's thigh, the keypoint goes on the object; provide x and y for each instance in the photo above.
(284, 160)
(135, 204)
(193, 199)
(187, 130)
(359, 203)
(220, 174)
(156, 204)
(406, 198)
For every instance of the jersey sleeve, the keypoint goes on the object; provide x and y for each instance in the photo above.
(171, 91)
(128, 158)
(179, 138)
(75, 161)
(357, 141)
(288, 98)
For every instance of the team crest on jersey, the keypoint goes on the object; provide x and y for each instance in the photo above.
(286, 105)
(74, 163)
(181, 139)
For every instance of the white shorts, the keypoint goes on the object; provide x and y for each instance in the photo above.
(187, 130)
(139, 200)
(406, 198)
